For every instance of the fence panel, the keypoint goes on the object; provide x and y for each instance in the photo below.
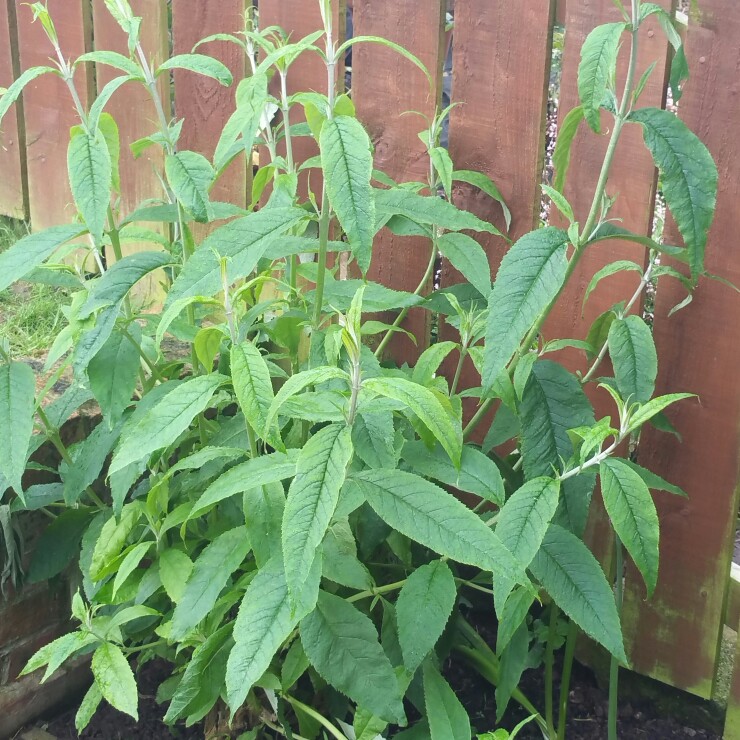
(386, 85)
(498, 129)
(48, 109)
(676, 633)
(12, 149)
(205, 104)
(132, 108)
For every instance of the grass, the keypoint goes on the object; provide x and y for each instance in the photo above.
(29, 314)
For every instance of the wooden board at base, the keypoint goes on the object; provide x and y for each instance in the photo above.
(675, 635)
(501, 63)
(48, 110)
(132, 108)
(12, 148)
(205, 104)
(385, 86)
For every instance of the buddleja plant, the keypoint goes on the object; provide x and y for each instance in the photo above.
(279, 525)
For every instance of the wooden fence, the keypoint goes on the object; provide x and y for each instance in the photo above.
(501, 70)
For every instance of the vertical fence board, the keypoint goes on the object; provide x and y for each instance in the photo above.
(205, 104)
(676, 634)
(501, 62)
(135, 114)
(12, 201)
(48, 109)
(632, 179)
(385, 85)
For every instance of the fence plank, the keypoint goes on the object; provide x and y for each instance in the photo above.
(632, 179)
(12, 149)
(501, 61)
(48, 109)
(676, 634)
(385, 85)
(202, 102)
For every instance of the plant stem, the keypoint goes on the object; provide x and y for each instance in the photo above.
(570, 651)
(330, 728)
(549, 662)
(614, 663)
(458, 369)
(376, 591)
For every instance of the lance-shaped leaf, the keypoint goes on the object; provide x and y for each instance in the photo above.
(190, 176)
(429, 515)
(115, 679)
(573, 577)
(201, 64)
(244, 241)
(30, 251)
(347, 159)
(265, 620)
(165, 421)
(530, 276)
(13, 92)
(688, 175)
(17, 408)
(564, 145)
(252, 385)
(635, 359)
(373, 439)
(484, 183)
(468, 258)
(655, 406)
(447, 717)
(598, 57)
(342, 645)
(633, 515)
(210, 574)
(312, 499)
(427, 407)
(424, 605)
(91, 179)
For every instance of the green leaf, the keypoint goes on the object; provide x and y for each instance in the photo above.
(468, 258)
(113, 374)
(115, 679)
(190, 176)
(340, 558)
(688, 175)
(88, 707)
(113, 286)
(478, 474)
(13, 92)
(342, 645)
(133, 557)
(373, 439)
(165, 421)
(243, 241)
(431, 358)
(429, 515)
(30, 251)
(191, 683)
(91, 179)
(611, 269)
(92, 339)
(654, 407)
(312, 499)
(207, 344)
(574, 579)
(58, 545)
(347, 160)
(447, 717)
(633, 515)
(201, 64)
(265, 620)
(211, 572)
(427, 407)
(252, 385)
(113, 59)
(512, 663)
(424, 605)
(443, 167)
(263, 515)
(17, 410)
(87, 460)
(56, 652)
(112, 539)
(175, 568)
(564, 144)
(428, 209)
(511, 616)
(635, 359)
(109, 130)
(560, 202)
(598, 59)
(259, 471)
(530, 276)
(653, 480)
(484, 183)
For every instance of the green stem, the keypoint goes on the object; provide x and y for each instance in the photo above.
(458, 370)
(549, 663)
(330, 728)
(377, 591)
(614, 663)
(570, 652)
(147, 361)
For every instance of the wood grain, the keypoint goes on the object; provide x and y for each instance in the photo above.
(675, 636)
(48, 109)
(385, 85)
(12, 145)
